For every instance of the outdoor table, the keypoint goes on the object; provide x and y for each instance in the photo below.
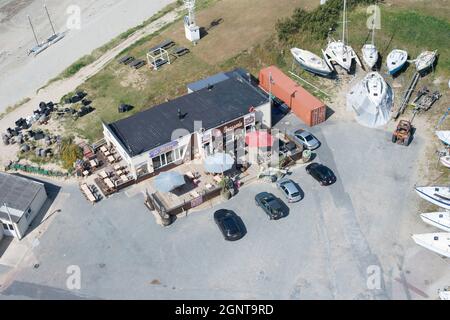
(87, 191)
(103, 149)
(109, 183)
(103, 174)
(107, 153)
(93, 163)
(117, 167)
(111, 159)
(124, 178)
(85, 173)
(119, 172)
(194, 194)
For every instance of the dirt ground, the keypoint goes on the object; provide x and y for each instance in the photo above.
(239, 26)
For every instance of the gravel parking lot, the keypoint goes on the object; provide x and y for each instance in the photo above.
(327, 248)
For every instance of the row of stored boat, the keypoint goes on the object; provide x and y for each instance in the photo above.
(440, 196)
(341, 53)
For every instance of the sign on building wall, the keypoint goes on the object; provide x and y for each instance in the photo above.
(249, 120)
(163, 149)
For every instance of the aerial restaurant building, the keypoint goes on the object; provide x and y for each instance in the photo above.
(190, 127)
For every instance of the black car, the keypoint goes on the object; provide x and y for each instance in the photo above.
(321, 173)
(229, 224)
(272, 206)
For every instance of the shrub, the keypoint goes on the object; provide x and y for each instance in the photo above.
(70, 153)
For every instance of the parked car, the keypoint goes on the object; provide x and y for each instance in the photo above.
(321, 173)
(229, 224)
(290, 190)
(306, 139)
(271, 205)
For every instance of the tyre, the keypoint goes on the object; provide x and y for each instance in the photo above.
(394, 139)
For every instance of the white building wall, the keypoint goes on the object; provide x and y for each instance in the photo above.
(23, 224)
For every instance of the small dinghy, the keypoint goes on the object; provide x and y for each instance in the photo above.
(311, 62)
(376, 87)
(425, 60)
(436, 242)
(396, 60)
(439, 196)
(444, 294)
(439, 220)
(444, 136)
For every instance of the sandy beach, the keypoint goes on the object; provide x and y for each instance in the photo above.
(101, 20)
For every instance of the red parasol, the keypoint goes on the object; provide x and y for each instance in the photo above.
(259, 139)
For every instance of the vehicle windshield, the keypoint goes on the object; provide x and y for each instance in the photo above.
(309, 138)
(296, 194)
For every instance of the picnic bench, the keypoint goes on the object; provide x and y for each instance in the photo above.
(125, 59)
(180, 51)
(88, 193)
(163, 45)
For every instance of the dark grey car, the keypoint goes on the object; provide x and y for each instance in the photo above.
(272, 206)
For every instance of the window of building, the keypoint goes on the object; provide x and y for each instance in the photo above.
(7, 226)
(167, 158)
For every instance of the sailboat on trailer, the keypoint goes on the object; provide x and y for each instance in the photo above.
(439, 220)
(396, 60)
(338, 51)
(311, 62)
(436, 242)
(439, 196)
(370, 51)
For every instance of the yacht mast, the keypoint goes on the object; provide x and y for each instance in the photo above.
(49, 19)
(32, 28)
(344, 22)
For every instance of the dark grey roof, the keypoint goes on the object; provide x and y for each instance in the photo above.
(204, 83)
(226, 101)
(17, 192)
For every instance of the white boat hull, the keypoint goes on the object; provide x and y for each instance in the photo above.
(444, 294)
(445, 161)
(436, 242)
(440, 220)
(444, 136)
(341, 54)
(439, 196)
(396, 60)
(370, 55)
(311, 62)
(425, 60)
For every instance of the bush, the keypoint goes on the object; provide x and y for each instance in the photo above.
(70, 153)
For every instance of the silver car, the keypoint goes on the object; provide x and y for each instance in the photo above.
(290, 190)
(306, 139)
